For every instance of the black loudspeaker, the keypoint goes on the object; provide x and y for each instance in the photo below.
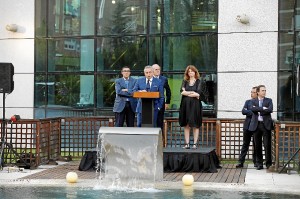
(6, 77)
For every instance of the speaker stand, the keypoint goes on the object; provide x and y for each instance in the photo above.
(4, 143)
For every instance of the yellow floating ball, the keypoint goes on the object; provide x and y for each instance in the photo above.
(72, 177)
(188, 179)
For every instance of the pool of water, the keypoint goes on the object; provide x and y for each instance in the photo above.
(91, 193)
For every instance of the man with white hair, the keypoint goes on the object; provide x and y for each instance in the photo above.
(149, 84)
(165, 83)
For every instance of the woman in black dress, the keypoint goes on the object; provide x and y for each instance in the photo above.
(190, 113)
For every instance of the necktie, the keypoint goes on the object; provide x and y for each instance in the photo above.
(260, 103)
(127, 82)
(148, 85)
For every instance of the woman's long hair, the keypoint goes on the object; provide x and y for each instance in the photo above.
(193, 68)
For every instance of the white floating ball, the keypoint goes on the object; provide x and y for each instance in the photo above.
(72, 177)
(188, 179)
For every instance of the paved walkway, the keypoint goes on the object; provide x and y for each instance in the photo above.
(254, 180)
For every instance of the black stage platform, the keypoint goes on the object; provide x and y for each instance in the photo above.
(174, 160)
(190, 160)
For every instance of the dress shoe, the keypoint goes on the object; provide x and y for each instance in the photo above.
(239, 165)
(259, 167)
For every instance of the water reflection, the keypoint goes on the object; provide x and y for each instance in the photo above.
(11, 192)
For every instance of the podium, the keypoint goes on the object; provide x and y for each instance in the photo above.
(147, 106)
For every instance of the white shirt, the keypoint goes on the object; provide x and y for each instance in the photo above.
(260, 118)
(149, 82)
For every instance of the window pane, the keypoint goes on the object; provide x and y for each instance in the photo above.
(71, 17)
(155, 16)
(71, 54)
(40, 90)
(41, 56)
(297, 117)
(286, 51)
(121, 17)
(106, 90)
(154, 50)
(297, 49)
(286, 13)
(71, 90)
(40, 18)
(63, 93)
(114, 53)
(285, 101)
(181, 51)
(190, 16)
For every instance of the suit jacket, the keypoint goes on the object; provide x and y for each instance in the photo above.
(265, 113)
(156, 86)
(122, 96)
(246, 111)
(165, 83)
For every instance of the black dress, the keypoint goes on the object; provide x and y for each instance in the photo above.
(190, 107)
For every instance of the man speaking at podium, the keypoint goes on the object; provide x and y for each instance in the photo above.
(149, 84)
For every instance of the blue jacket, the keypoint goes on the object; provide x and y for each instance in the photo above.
(246, 111)
(156, 86)
(122, 96)
(265, 113)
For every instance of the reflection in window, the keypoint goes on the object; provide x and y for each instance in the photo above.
(285, 101)
(121, 17)
(190, 16)
(65, 90)
(289, 60)
(116, 52)
(71, 17)
(71, 54)
(106, 90)
(181, 51)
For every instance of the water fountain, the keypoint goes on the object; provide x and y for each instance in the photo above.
(128, 154)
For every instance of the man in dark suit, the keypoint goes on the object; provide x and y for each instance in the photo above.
(262, 124)
(165, 83)
(247, 135)
(149, 84)
(125, 104)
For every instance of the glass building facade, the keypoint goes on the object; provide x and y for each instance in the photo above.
(289, 60)
(81, 46)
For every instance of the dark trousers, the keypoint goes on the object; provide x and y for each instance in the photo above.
(126, 113)
(247, 135)
(261, 133)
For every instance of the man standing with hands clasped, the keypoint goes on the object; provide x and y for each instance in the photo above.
(247, 135)
(262, 125)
